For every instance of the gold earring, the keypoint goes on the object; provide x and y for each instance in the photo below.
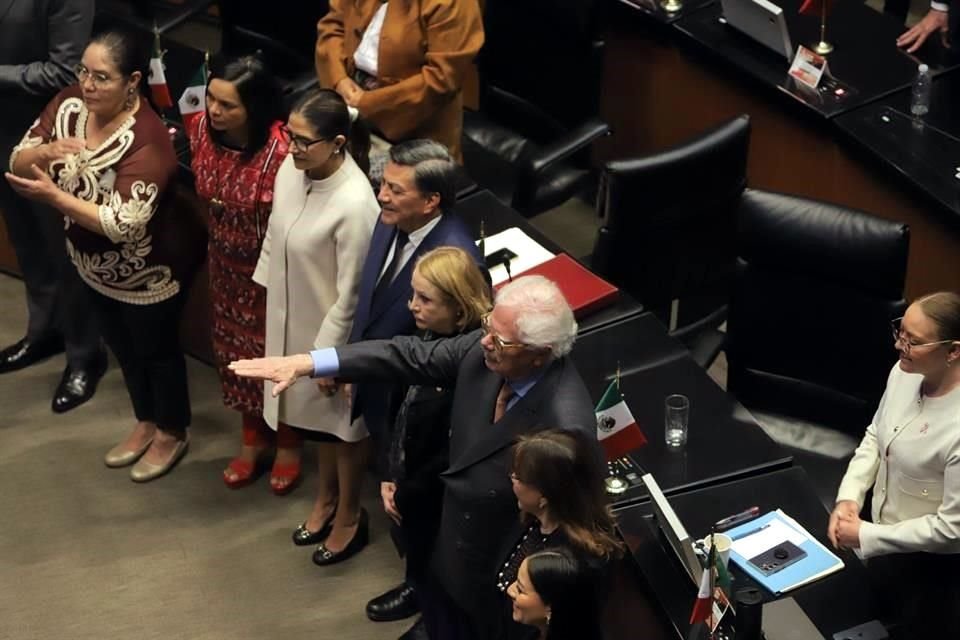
(129, 101)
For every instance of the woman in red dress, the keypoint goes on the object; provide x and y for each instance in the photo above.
(236, 149)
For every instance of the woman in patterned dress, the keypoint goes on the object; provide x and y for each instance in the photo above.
(101, 156)
(236, 148)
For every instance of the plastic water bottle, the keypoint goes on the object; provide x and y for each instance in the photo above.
(920, 99)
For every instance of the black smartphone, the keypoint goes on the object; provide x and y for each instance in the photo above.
(498, 257)
(778, 558)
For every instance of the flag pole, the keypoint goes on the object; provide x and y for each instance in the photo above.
(615, 483)
(823, 47)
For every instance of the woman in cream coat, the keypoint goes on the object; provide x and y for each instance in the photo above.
(323, 215)
(910, 457)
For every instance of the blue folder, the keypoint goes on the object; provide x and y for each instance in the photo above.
(818, 563)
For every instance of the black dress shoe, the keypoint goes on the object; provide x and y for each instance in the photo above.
(323, 556)
(25, 353)
(396, 604)
(303, 536)
(417, 632)
(78, 385)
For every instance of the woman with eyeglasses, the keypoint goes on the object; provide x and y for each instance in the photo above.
(910, 458)
(101, 156)
(323, 216)
(236, 148)
(558, 483)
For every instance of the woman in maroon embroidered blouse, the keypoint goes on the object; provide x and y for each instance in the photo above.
(236, 149)
(102, 157)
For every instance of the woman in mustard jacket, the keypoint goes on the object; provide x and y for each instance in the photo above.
(402, 63)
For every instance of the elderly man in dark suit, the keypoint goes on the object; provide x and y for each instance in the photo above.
(510, 378)
(41, 42)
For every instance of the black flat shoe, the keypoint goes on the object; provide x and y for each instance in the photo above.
(25, 353)
(323, 556)
(303, 536)
(396, 604)
(78, 385)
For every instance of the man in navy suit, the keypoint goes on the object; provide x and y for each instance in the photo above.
(417, 195)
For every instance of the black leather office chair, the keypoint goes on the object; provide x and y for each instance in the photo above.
(669, 230)
(808, 332)
(285, 33)
(540, 72)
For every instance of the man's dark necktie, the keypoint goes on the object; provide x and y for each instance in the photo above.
(391, 272)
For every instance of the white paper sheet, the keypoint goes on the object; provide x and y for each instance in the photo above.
(773, 533)
(529, 252)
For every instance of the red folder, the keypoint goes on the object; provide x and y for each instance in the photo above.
(585, 291)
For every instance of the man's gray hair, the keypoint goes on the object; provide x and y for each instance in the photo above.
(544, 318)
(434, 170)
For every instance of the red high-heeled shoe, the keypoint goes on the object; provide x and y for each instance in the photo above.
(284, 472)
(245, 472)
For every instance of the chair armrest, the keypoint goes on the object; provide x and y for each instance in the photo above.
(600, 259)
(572, 142)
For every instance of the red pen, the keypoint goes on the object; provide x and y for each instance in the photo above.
(737, 518)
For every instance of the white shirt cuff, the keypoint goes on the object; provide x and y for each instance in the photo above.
(940, 6)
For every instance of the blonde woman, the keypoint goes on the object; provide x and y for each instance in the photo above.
(450, 295)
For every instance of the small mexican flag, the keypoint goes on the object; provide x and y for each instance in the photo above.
(193, 102)
(617, 431)
(703, 607)
(159, 90)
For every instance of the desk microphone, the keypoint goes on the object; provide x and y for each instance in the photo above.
(749, 610)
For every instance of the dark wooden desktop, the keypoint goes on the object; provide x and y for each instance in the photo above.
(724, 441)
(925, 152)
(834, 603)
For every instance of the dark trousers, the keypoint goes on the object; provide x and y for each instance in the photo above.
(57, 300)
(918, 592)
(146, 342)
(443, 618)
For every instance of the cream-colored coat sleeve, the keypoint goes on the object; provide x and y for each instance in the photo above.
(352, 240)
(862, 470)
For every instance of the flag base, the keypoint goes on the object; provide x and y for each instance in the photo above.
(616, 485)
(823, 47)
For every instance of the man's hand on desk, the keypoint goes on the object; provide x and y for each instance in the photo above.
(935, 21)
(284, 371)
(843, 513)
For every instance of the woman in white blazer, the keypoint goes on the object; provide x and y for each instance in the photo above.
(323, 215)
(910, 456)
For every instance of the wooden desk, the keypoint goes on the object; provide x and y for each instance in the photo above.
(484, 207)
(834, 603)
(724, 443)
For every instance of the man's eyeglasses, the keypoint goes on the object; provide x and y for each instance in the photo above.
(900, 338)
(298, 142)
(100, 79)
(498, 343)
